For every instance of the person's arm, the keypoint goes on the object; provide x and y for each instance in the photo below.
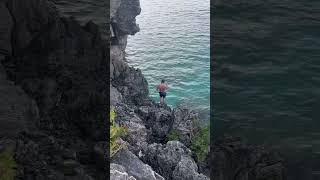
(157, 87)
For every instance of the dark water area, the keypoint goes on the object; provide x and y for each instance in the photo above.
(267, 75)
(85, 10)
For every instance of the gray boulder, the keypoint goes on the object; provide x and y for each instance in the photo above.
(137, 132)
(187, 170)
(118, 172)
(158, 120)
(134, 166)
(171, 160)
(185, 124)
(115, 96)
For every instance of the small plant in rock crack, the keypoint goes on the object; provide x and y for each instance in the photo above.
(7, 165)
(201, 142)
(116, 132)
(173, 135)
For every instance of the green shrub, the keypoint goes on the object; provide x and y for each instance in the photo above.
(116, 132)
(201, 142)
(7, 165)
(173, 135)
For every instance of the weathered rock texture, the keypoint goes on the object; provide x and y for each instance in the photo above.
(118, 172)
(54, 97)
(233, 160)
(149, 125)
(53, 91)
(172, 160)
(147, 122)
(134, 166)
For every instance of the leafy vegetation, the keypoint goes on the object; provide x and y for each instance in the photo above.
(7, 165)
(201, 142)
(173, 135)
(116, 132)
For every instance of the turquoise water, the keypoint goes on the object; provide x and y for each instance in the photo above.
(174, 44)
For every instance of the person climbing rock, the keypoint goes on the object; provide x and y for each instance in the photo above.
(162, 88)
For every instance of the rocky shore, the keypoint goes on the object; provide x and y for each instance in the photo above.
(149, 125)
(54, 100)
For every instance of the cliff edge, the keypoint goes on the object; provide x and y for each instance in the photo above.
(149, 124)
(54, 97)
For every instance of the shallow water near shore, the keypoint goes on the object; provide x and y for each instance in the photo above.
(174, 44)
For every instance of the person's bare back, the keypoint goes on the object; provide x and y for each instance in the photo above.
(162, 88)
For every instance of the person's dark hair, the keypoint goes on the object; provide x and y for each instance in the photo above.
(162, 81)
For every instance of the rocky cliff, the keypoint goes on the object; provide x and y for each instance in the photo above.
(54, 98)
(149, 155)
(149, 124)
(53, 92)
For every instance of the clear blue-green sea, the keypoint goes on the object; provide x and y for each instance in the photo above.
(174, 44)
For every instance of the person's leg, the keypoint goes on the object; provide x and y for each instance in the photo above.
(161, 100)
(164, 97)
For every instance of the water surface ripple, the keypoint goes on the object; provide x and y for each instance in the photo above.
(267, 73)
(174, 44)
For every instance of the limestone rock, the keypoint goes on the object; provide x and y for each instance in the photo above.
(185, 124)
(134, 166)
(159, 120)
(187, 170)
(124, 14)
(118, 172)
(172, 160)
(115, 96)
